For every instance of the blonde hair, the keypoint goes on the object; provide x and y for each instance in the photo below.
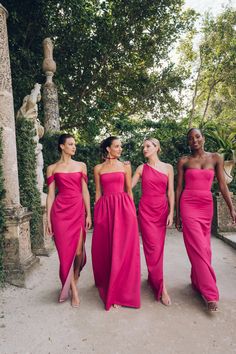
(155, 142)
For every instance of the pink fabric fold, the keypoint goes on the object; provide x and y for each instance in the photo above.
(50, 179)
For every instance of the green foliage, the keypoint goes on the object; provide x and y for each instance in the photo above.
(29, 194)
(112, 56)
(2, 215)
(212, 68)
(224, 139)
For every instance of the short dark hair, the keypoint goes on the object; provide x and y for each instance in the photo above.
(191, 129)
(62, 139)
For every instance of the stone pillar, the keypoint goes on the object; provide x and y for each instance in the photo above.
(50, 98)
(18, 256)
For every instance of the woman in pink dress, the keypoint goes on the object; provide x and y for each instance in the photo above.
(66, 218)
(115, 243)
(156, 210)
(194, 212)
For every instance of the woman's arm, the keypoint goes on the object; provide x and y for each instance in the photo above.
(219, 168)
(170, 195)
(128, 179)
(179, 189)
(137, 175)
(86, 199)
(98, 192)
(49, 201)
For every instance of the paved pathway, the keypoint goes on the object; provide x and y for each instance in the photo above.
(31, 320)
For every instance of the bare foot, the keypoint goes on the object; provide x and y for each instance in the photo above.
(115, 306)
(75, 301)
(165, 299)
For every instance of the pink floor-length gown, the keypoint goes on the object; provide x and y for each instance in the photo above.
(196, 207)
(153, 212)
(115, 244)
(68, 220)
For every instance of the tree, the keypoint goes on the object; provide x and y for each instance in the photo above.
(112, 56)
(214, 83)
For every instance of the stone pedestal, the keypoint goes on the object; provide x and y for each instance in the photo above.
(18, 258)
(45, 243)
(222, 221)
(51, 110)
(50, 97)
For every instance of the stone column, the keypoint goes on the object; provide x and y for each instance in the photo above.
(50, 98)
(18, 256)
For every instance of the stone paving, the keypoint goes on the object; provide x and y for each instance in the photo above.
(32, 322)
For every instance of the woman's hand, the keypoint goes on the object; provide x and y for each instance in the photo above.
(178, 223)
(169, 221)
(88, 222)
(233, 215)
(49, 231)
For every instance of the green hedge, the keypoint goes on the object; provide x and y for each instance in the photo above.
(2, 216)
(29, 194)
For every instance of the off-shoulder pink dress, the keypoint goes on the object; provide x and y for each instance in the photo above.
(115, 244)
(68, 224)
(196, 209)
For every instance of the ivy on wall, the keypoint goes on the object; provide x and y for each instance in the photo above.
(29, 194)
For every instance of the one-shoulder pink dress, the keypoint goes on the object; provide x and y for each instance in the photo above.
(196, 208)
(153, 212)
(68, 224)
(115, 244)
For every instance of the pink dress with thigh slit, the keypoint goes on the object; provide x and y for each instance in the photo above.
(68, 221)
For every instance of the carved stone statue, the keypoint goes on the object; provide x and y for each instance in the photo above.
(29, 110)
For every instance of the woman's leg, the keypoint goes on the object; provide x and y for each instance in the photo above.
(165, 298)
(78, 262)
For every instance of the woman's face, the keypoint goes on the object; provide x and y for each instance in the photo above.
(149, 148)
(196, 140)
(115, 149)
(69, 146)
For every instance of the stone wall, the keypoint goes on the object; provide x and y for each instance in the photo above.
(222, 221)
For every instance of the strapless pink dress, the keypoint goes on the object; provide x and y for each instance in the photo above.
(153, 212)
(196, 207)
(115, 244)
(68, 224)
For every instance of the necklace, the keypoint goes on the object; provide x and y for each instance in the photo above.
(110, 158)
